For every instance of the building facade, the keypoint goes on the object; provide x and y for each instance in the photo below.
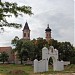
(8, 50)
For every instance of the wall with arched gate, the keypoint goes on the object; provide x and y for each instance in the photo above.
(42, 65)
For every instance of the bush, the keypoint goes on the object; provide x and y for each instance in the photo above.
(72, 60)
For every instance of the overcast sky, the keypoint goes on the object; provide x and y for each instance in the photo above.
(59, 14)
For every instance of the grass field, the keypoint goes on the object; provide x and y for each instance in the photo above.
(12, 69)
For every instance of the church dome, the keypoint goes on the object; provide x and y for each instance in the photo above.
(48, 29)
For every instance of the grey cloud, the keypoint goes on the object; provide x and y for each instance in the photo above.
(58, 22)
(58, 13)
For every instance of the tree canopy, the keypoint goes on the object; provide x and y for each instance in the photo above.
(4, 57)
(33, 49)
(24, 49)
(8, 9)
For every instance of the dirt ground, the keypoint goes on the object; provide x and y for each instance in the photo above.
(57, 74)
(52, 74)
(62, 74)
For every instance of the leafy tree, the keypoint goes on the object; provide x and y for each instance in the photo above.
(39, 47)
(8, 9)
(33, 49)
(54, 43)
(25, 49)
(39, 44)
(18, 45)
(28, 46)
(14, 41)
(4, 57)
(66, 51)
(23, 55)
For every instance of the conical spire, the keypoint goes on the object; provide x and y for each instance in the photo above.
(26, 26)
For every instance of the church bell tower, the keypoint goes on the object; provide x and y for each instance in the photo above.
(26, 32)
(48, 33)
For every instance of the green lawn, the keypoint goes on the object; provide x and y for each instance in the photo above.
(6, 69)
(12, 69)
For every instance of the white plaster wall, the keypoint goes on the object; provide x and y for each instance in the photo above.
(58, 66)
(42, 65)
(44, 53)
(53, 54)
(35, 65)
